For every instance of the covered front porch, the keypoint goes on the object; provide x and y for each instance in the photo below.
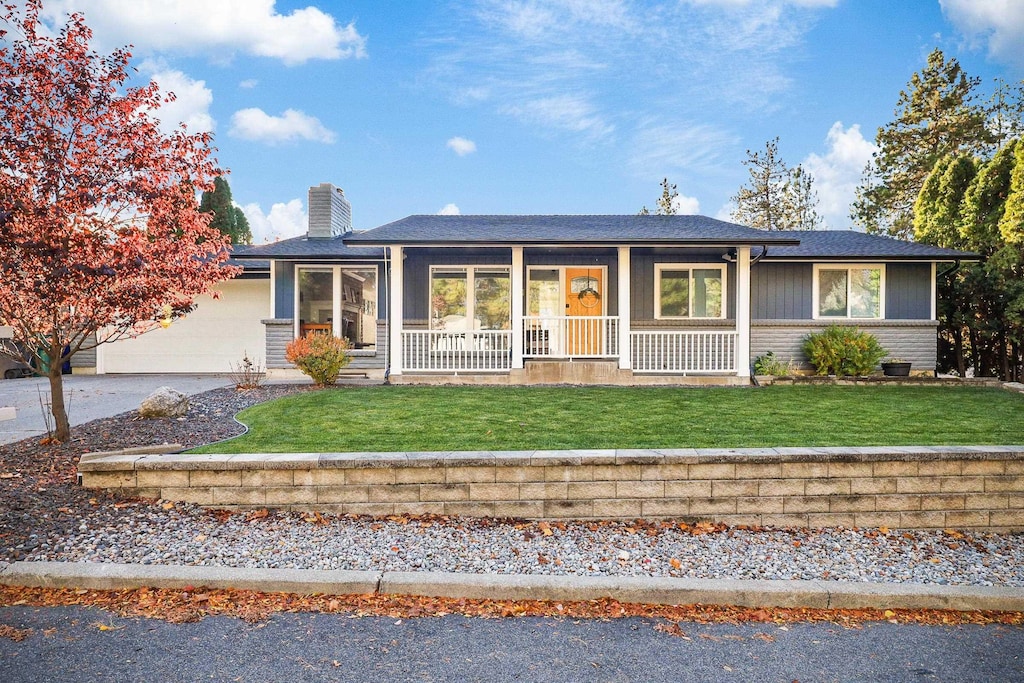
(587, 313)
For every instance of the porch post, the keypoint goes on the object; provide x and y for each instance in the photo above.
(743, 312)
(395, 314)
(625, 352)
(518, 294)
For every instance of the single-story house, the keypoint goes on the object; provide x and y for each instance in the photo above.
(576, 298)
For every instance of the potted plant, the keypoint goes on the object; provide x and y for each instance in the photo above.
(896, 367)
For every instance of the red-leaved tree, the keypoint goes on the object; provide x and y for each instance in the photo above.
(100, 231)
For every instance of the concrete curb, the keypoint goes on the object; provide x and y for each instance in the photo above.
(648, 590)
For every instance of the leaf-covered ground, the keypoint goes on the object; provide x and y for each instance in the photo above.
(194, 603)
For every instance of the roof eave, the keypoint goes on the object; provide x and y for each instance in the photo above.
(715, 242)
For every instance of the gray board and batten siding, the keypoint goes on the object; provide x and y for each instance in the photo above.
(782, 313)
(281, 331)
(418, 261)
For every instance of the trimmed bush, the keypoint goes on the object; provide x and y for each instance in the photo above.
(842, 351)
(320, 356)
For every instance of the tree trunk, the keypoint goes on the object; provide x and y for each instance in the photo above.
(958, 345)
(61, 425)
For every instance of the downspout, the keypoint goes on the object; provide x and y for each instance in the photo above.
(387, 319)
(949, 271)
(764, 251)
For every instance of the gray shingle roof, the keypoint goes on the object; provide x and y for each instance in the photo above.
(570, 230)
(526, 230)
(310, 250)
(850, 244)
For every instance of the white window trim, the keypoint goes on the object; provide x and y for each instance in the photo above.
(563, 282)
(815, 293)
(335, 271)
(470, 288)
(658, 267)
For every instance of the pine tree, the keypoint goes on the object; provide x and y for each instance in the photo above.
(936, 116)
(666, 202)
(1006, 111)
(226, 216)
(800, 202)
(777, 198)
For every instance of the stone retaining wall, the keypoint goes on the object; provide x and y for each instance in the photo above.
(969, 487)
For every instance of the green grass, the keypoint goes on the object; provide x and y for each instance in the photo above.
(417, 418)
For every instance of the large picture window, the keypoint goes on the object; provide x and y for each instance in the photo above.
(689, 291)
(338, 300)
(470, 298)
(849, 291)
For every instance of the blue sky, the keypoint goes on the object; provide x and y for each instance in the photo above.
(539, 106)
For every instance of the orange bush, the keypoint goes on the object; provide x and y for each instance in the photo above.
(320, 356)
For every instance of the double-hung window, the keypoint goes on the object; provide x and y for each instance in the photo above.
(854, 291)
(470, 298)
(689, 291)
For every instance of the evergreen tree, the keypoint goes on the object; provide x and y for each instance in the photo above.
(666, 202)
(776, 198)
(937, 212)
(936, 116)
(1011, 224)
(1006, 111)
(227, 217)
(800, 202)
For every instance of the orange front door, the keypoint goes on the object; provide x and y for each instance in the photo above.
(584, 297)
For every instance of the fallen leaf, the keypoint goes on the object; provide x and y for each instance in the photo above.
(676, 564)
(168, 505)
(104, 627)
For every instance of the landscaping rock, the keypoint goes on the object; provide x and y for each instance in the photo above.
(164, 402)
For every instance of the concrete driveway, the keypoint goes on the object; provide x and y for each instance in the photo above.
(88, 397)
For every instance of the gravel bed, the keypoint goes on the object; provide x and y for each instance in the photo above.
(44, 515)
(184, 534)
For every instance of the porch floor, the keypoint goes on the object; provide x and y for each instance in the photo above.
(596, 372)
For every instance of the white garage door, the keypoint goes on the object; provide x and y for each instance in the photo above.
(215, 335)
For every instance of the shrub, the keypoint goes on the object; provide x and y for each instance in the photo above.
(842, 351)
(248, 374)
(770, 364)
(320, 356)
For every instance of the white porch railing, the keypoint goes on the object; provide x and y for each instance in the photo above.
(590, 336)
(443, 351)
(676, 351)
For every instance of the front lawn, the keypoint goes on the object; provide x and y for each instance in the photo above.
(420, 418)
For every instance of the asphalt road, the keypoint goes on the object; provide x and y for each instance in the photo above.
(78, 644)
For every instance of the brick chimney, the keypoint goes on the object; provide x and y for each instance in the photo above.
(330, 214)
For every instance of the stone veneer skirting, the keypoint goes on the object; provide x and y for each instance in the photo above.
(963, 487)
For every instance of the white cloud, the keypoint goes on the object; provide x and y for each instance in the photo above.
(686, 205)
(562, 66)
(191, 105)
(461, 146)
(248, 83)
(221, 27)
(286, 219)
(838, 173)
(572, 113)
(256, 124)
(661, 149)
(1000, 23)
(449, 210)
